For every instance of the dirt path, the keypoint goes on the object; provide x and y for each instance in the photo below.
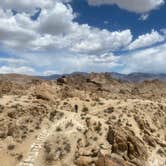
(33, 154)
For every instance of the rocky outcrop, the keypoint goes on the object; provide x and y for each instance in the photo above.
(44, 92)
(125, 143)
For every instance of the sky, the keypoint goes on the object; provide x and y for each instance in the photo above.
(44, 37)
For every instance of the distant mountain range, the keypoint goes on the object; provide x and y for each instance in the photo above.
(139, 77)
(50, 77)
(133, 77)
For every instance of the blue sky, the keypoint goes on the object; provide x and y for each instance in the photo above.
(63, 36)
(113, 18)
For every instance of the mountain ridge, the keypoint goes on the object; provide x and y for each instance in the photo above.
(132, 77)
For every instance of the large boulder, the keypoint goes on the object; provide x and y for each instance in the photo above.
(44, 91)
(124, 142)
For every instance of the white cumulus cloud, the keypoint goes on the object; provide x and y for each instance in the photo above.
(56, 29)
(138, 6)
(151, 60)
(146, 40)
(21, 70)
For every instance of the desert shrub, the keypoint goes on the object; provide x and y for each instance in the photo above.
(58, 129)
(85, 109)
(11, 147)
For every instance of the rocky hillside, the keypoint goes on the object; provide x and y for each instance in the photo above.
(82, 120)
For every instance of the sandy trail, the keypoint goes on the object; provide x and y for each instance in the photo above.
(33, 154)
